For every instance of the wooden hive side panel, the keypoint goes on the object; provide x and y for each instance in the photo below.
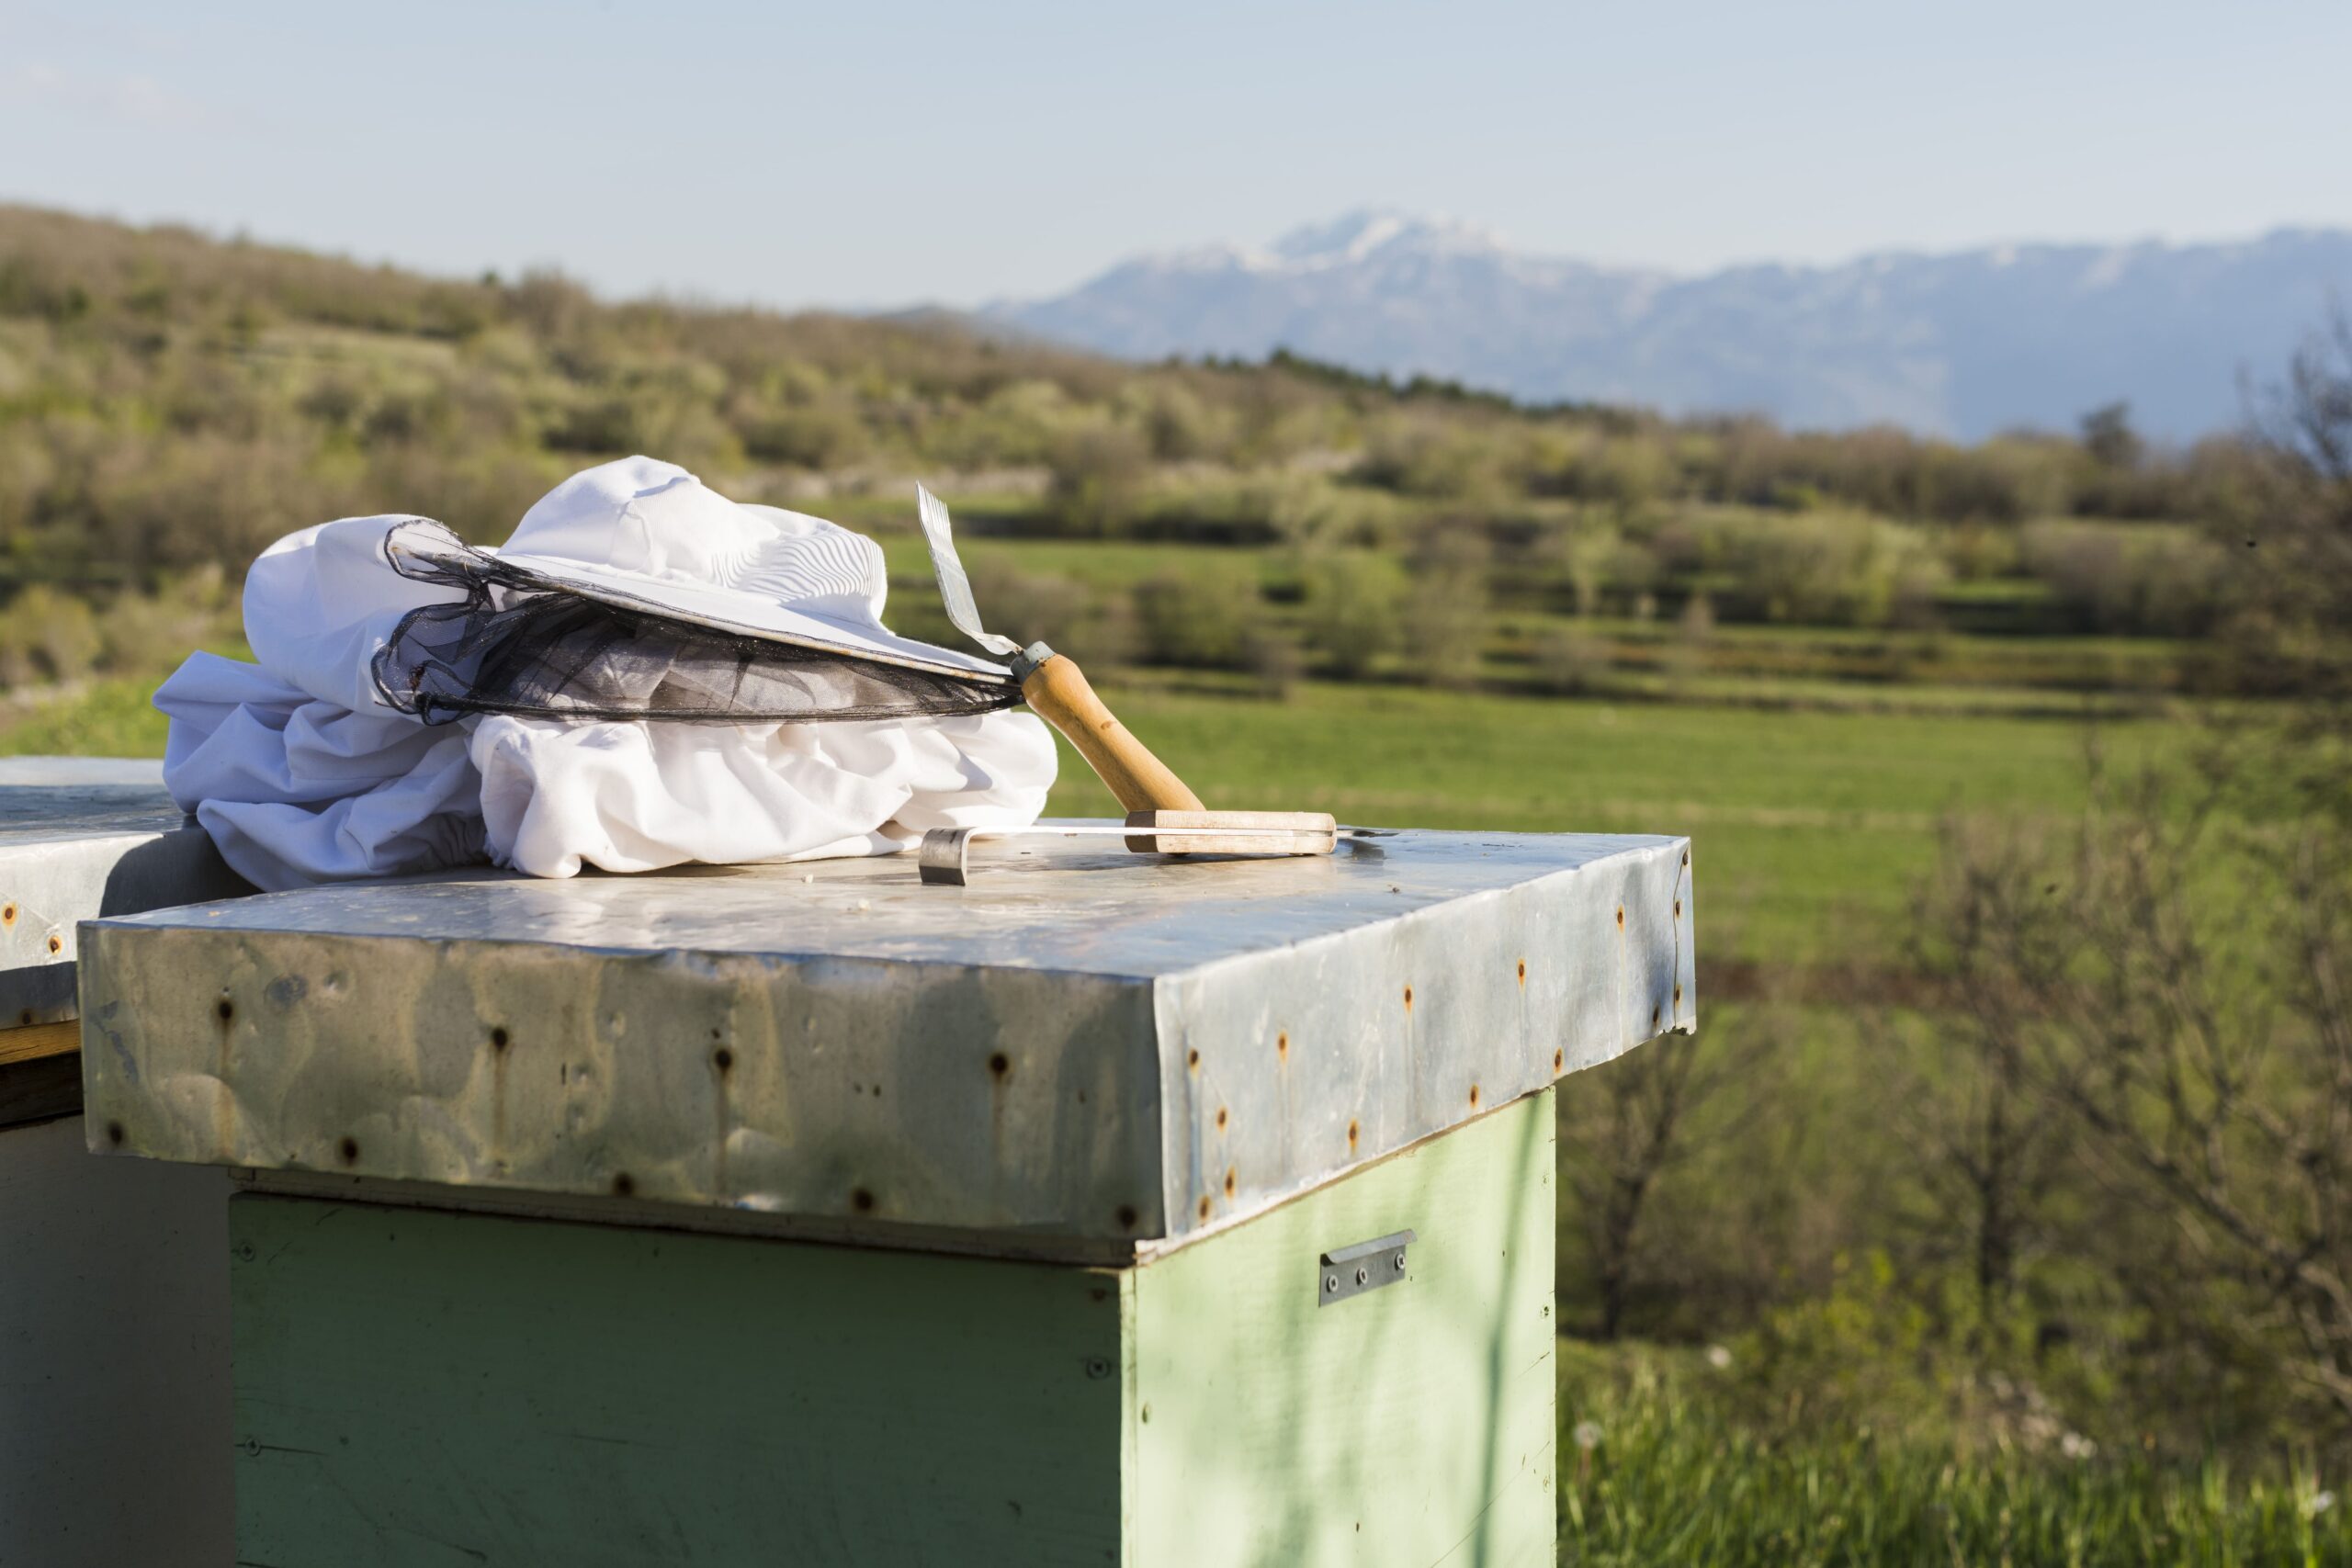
(422, 1387)
(1412, 1423)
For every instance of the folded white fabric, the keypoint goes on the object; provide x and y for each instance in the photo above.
(633, 796)
(302, 774)
(296, 790)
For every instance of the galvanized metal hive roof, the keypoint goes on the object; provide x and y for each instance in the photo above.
(1084, 1053)
(82, 837)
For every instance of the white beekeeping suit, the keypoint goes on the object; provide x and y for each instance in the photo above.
(302, 772)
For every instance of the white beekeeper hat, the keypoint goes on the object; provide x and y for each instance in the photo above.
(649, 537)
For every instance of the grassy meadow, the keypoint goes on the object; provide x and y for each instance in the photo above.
(1907, 1256)
(1652, 1473)
(1812, 825)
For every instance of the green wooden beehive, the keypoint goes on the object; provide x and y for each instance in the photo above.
(1104, 1211)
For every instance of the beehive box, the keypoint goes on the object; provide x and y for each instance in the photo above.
(815, 1215)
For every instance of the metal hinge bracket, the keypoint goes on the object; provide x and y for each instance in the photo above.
(1351, 1271)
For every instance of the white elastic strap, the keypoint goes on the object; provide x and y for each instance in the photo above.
(954, 588)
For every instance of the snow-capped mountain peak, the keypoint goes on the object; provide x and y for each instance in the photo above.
(1965, 343)
(1354, 236)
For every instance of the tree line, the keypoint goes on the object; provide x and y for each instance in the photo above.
(170, 403)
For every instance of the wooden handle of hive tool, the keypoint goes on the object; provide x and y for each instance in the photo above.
(1056, 691)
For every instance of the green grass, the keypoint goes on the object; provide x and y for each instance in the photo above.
(1655, 1470)
(1810, 828)
(1861, 696)
(105, 718)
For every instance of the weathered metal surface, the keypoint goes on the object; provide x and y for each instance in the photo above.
(1083, 1045)
(82, 837)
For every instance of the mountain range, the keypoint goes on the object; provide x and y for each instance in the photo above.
(1962, 344)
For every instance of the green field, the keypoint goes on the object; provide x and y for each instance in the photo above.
(1811, 827)
(105, 718)
(1651, 1472)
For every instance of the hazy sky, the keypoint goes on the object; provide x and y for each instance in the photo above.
(865, 155)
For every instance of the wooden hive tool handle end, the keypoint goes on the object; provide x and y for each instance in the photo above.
(1057, 692)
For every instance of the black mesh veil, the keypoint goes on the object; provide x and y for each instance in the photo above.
(517, 644)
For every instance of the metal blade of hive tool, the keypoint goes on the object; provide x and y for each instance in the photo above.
(945, 860)
(954, 588)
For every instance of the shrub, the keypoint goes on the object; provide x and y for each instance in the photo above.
(1568, 660)
(1204, 618)
(1838, 568)
(46, 636)
(1175, 422)
(1099, 473)
(1595, 561)
(1444, 618)
(1274, 660)
(146, 637)
(1352, 602)
(1441, 459)
(1976, 552)
(819, 438)
(1626, 472)
(2133, 577)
